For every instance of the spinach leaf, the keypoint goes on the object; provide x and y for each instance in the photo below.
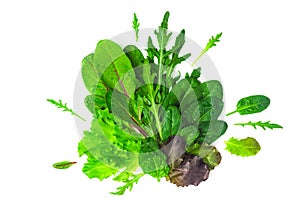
(205, 110)
(211, 88)
(189, 134)
(137, 60)
(251, 104)
(89, 73)
(113, 67)
(210, 131)
(171, 119)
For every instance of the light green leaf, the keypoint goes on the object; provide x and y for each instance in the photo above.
(95, 169)
(244, 147)
(113, 67)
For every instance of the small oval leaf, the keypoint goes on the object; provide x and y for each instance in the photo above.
(63, 165)
(252, 104)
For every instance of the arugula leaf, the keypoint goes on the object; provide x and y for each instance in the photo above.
(263, 125)
(129, 184)
(211, 43)
(135, 26)
(251, 104)
(59, 104)
(63, 164)
(244, 147)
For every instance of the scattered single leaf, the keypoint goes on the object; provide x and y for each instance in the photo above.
(263, 125)
(243, 147)
(63, 164)
(252, 104)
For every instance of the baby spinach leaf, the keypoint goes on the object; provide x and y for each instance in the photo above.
(210, 108)
(211, 88)
(251, 104)
(210, 131)
(182, 94)
(170, 122)
(137, 60)
(189, 134)
(90, 75)
(244, 147)
(113, 67)
(63, 164)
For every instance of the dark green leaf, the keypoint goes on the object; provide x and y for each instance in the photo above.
(210, 131)
(251, 104)
(171, 119)
(189, 134)
(211, 88)
(205, 110)
(137, 60)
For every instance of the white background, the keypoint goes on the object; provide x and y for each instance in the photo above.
(42, 44)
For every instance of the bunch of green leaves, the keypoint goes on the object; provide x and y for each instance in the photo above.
(145, 117)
